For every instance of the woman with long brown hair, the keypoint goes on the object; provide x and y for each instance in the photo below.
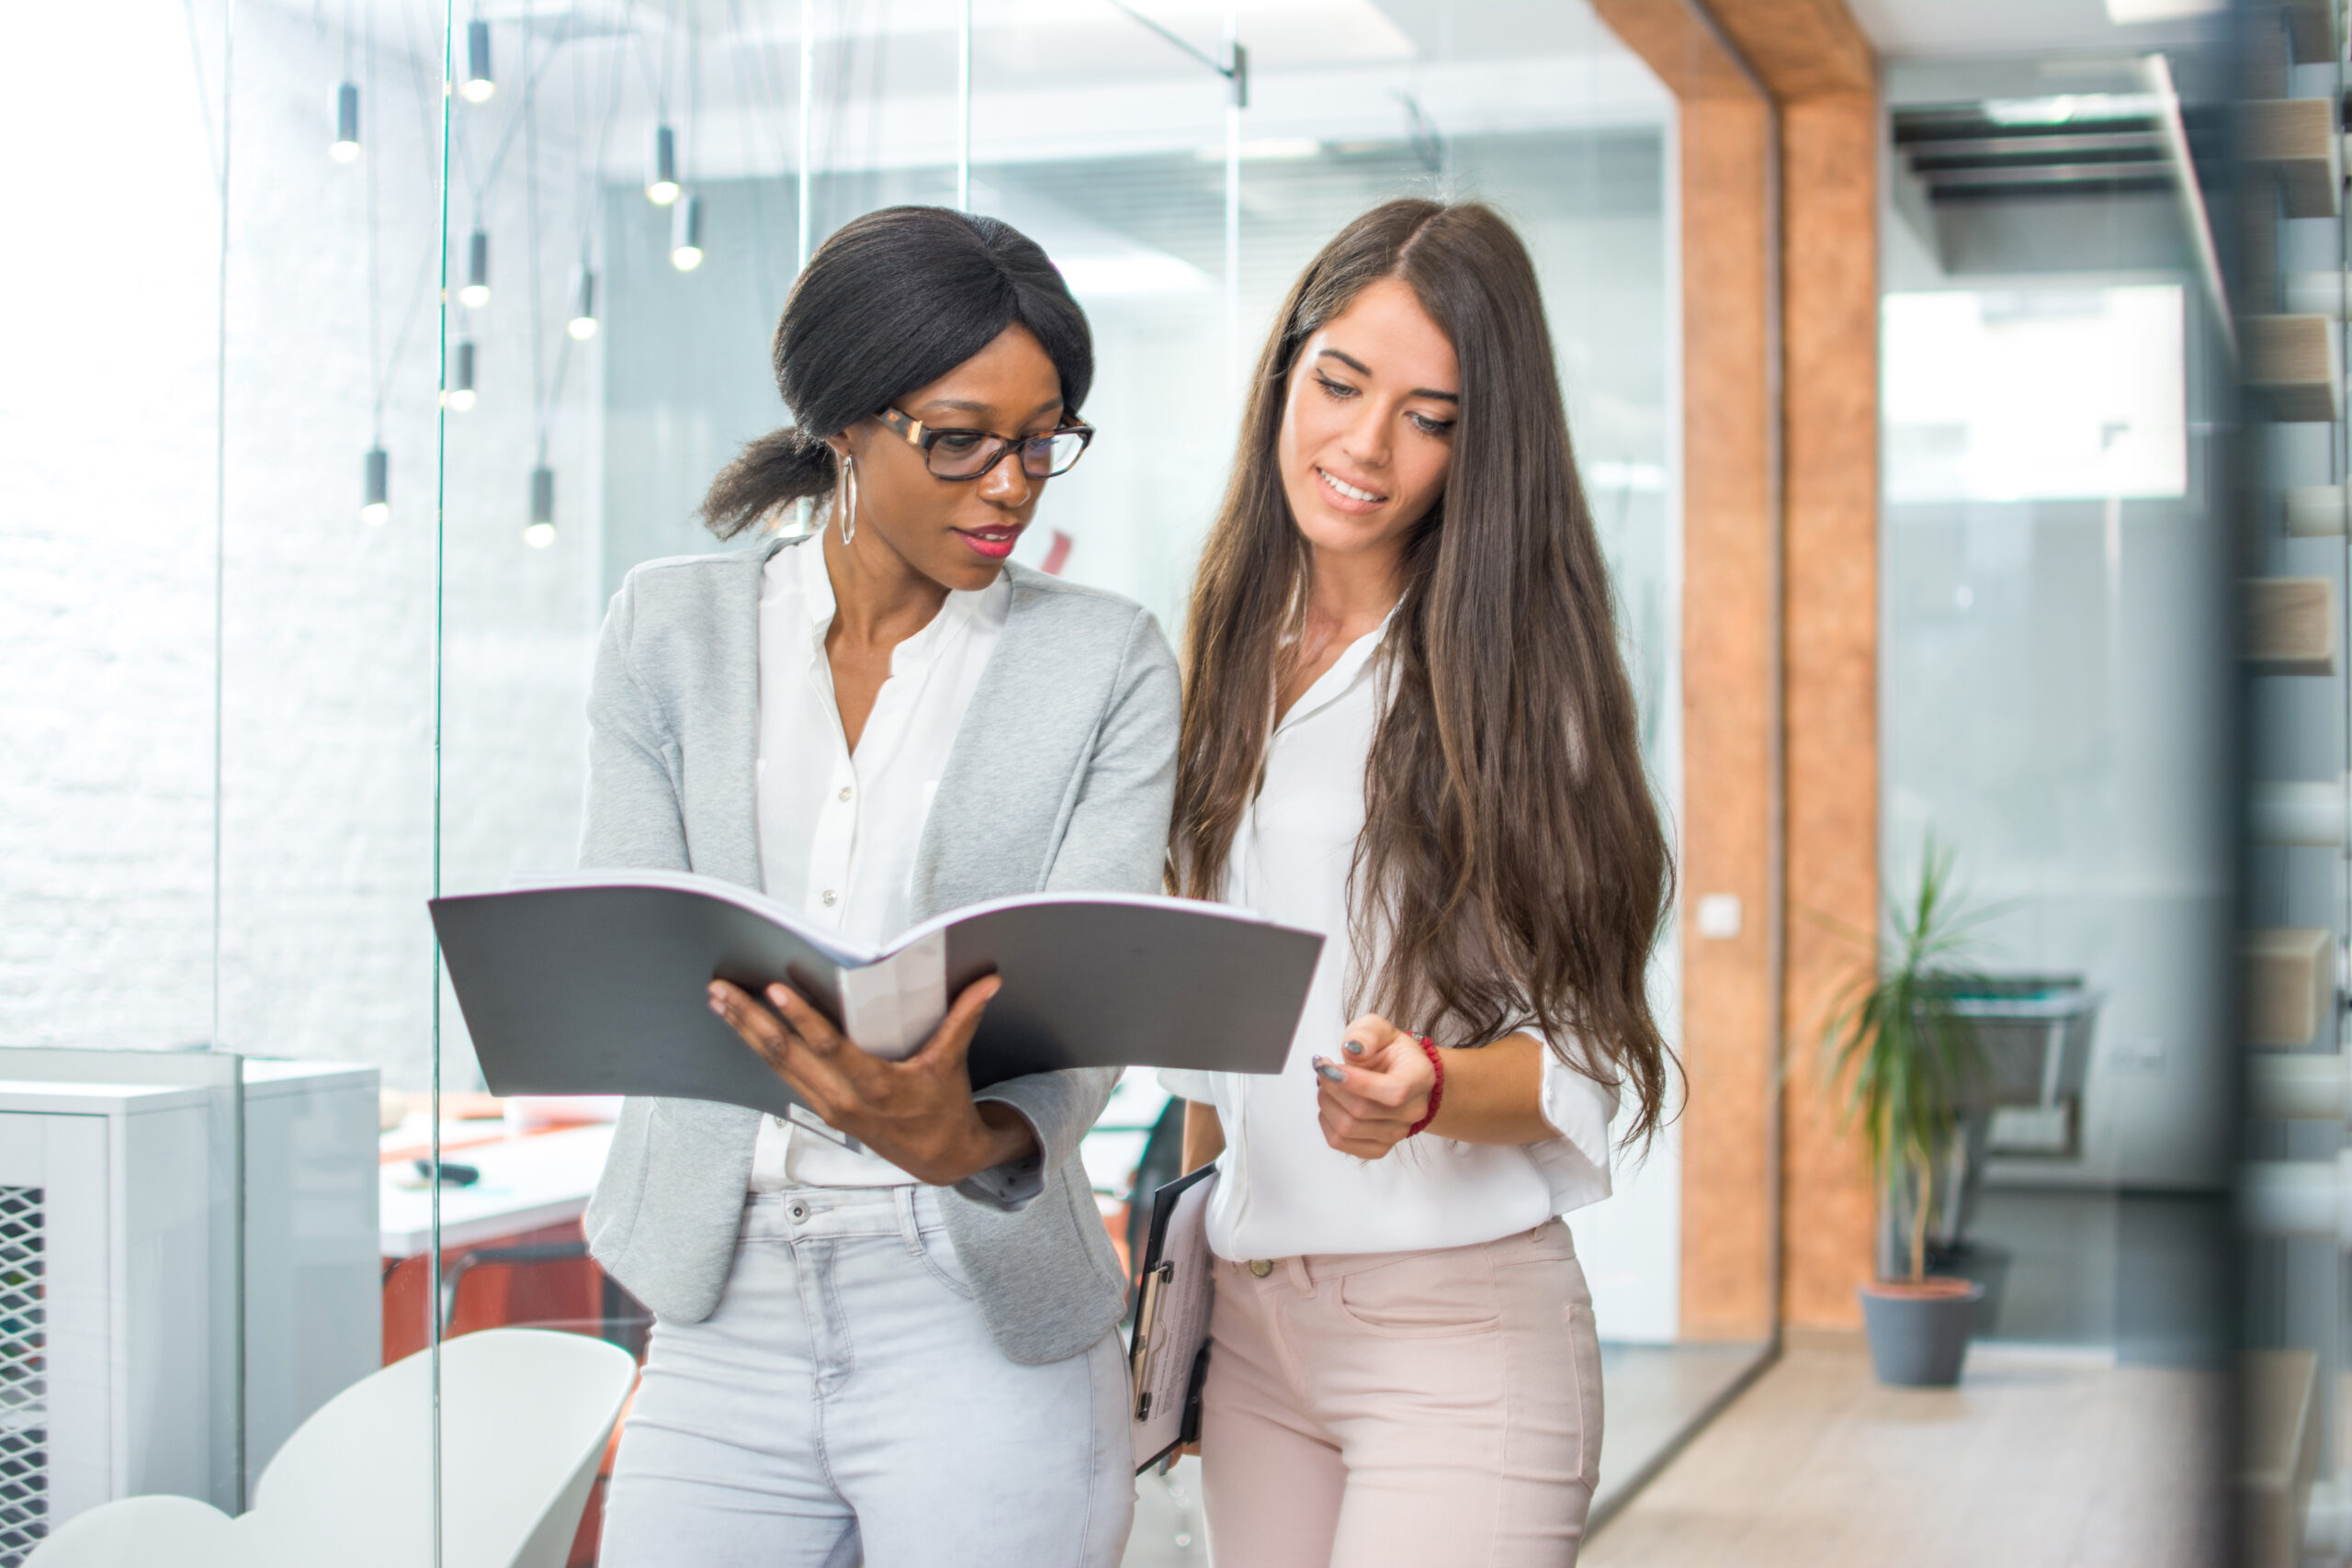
(1406, 725)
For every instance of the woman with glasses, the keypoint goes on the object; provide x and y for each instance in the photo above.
(885, 1332)
(1407, 726)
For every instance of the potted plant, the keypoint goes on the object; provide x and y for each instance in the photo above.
(1912, 1064)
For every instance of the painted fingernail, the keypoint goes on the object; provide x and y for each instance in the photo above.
(1330, 1070)
(1354, 1047)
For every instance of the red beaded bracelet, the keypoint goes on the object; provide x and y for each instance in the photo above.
(1437, 1089)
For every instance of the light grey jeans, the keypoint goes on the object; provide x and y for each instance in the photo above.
(844, 1404)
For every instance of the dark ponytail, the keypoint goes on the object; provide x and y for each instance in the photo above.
(890, 302)
(779, 467)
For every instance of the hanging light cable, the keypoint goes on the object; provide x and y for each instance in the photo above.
(346, 147)
(460, 395)
(476, 293)
(662, 171)
(685, 233)
(582, 325)
(479, 84)
(376, 506)
(685, 215)
(539, 532)
(662, 178)
(374, 495)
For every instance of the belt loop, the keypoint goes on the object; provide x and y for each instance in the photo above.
(1302, 1278)
(902, 1197)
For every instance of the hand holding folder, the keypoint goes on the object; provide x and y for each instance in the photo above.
(918, 1113)
(1168, 1359)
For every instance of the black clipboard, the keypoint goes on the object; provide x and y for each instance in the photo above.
(1167, 1354)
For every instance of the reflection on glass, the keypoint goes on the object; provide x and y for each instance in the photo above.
(2048, 678)
(2048, 394)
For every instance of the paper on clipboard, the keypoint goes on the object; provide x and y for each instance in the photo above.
(1169, 1355)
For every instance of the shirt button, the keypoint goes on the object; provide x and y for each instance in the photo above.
(844, 794)
(831, 898)
(1260, 1268)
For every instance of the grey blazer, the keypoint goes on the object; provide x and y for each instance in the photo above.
(1061, 777)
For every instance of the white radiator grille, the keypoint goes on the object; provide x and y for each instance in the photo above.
(24, 1402)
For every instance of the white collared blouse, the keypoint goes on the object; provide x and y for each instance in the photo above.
(1283, 1192)
(838, 831)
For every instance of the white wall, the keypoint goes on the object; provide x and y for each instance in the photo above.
(106, 541)
(107, 555)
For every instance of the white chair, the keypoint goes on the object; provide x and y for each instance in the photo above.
(525, 1418)
(158, 1532)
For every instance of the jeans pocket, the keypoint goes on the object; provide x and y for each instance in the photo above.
(936, 1252)
(1427, 1295)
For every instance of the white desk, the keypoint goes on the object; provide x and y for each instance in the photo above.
(526, 1184)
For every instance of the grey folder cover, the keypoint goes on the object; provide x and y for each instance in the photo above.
(595, 984)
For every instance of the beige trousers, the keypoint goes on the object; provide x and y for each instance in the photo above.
(1403, 1409)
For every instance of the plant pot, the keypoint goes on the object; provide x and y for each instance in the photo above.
(1919, 1328)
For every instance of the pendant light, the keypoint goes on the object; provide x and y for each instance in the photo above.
(686, 234)
(376, 506)
(582, 325)
(476, 293)
(460, 397)
(539, 532)
(661, 180)
(478, 85)
(346, 123)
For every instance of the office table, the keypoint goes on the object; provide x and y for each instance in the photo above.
(527, 1184)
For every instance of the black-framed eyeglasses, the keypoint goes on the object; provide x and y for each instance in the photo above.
(968, 454)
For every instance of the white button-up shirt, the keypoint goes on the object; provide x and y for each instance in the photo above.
(1283, 1192)
(838, 829)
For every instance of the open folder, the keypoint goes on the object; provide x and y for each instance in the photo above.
(1167, 1358)
(595, 984)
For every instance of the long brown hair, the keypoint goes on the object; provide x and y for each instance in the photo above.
(1511, 853)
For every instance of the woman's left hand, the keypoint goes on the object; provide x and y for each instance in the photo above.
(1369, 1096)
(919, 1115)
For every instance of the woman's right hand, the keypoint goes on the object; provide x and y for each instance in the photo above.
(919, 1115)
(1370, 1104)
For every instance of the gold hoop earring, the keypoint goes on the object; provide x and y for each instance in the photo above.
(849, 489)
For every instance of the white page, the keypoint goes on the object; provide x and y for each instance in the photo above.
(891, 1006)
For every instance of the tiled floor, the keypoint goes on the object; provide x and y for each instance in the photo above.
(2042, 1458)
(1655, 1397)
(2080, 1446)
(1653, 1392)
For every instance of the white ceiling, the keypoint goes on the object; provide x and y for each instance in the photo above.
(1960, 29)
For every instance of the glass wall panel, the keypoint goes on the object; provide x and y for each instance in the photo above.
(290, 675)
(328, 658)
(2051, 683)
(1114, 140)
(2291, 248)
(681, 377)
(218, 775)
